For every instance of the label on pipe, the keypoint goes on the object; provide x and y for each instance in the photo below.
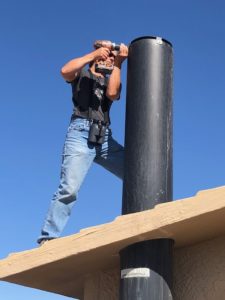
(135, 272)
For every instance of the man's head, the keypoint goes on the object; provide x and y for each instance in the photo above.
(110, 59)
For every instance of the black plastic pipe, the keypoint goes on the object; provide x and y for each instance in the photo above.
(146, 267)
(148, 130)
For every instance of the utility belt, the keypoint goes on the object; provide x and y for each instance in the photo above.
(97, 129)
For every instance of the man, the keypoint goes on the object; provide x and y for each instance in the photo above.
(93, 93)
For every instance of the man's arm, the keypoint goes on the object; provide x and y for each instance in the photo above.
(113, 88)
(71, 69)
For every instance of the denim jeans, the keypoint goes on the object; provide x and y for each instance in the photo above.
(78, 155)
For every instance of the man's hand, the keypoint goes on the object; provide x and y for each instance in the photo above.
(101, 53)
(122, 55)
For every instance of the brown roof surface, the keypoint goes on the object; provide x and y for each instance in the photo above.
(60, 265)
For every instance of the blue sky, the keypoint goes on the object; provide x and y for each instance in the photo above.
(36, 39)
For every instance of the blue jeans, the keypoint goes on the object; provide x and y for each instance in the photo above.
(78, 155)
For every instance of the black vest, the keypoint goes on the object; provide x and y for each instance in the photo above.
(89, 97)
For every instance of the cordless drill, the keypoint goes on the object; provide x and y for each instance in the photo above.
(107, 44)
(102, 66)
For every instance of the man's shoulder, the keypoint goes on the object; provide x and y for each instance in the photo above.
(83, 73)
